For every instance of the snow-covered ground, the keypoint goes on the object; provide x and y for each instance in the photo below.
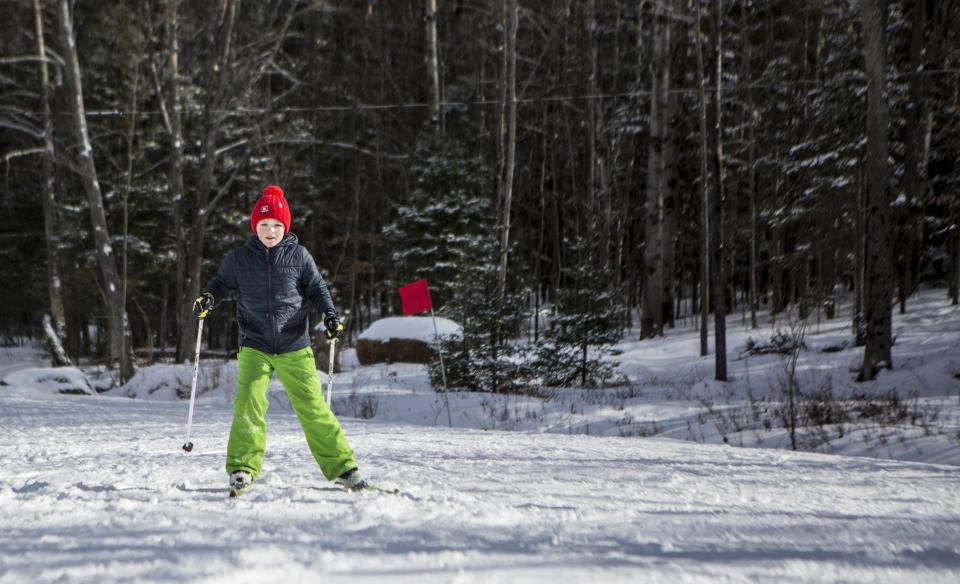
(98, 490)
(629, 484)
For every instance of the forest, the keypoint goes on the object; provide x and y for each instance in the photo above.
(564, 173)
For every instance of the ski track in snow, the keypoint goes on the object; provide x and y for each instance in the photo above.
(98, 490)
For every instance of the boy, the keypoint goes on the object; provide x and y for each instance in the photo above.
(272, 276)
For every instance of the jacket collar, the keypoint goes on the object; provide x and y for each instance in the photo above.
(254, 242)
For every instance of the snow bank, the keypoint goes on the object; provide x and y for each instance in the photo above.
(418, 328)
(160, 382)
(172, 382)
(46, 381)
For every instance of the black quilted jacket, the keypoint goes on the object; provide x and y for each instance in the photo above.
(271, 286)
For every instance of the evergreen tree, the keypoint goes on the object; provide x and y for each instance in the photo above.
(586, 322)
(443, 234)
(476, 362)
(443, 227)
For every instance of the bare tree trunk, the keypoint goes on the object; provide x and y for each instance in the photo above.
(754, 117)
(592, 212)
(433, 61)
(668, 189)
(914, 151)
(510, 144)
(116, 315)
(557, 265)
(219, 43)
(130, 140)
(778, 293)
(538, 260)
(954, 234)
(879, 215)
(148, 333)
(173, 119)
(803, 286)
(719, 281)
(859, 254)
(754, 243)
(506, 151)
(651, 323)
(953, 256)
(47, 199)
(354, 227)
(705, 204)
(828, 282)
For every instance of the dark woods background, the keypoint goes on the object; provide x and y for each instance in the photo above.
(554, 158)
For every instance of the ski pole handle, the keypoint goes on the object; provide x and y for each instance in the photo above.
(187, 445)
(333, 344)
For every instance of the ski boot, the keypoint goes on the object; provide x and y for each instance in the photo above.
(240, 480)
(352, 480)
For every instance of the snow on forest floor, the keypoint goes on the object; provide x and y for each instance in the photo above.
(98, 490)
(672, 393)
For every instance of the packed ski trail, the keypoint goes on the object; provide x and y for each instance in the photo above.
(98, 490)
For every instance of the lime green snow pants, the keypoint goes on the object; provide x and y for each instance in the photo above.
(248, 433)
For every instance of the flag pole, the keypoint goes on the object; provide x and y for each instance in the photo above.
(443, 369)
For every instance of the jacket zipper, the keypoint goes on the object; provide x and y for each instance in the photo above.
(273, 327)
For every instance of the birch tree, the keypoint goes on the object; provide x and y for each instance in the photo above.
(507, 135)
(47, 199)
(118, 325)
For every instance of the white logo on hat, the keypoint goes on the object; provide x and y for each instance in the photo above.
(279, 204)
(265, 209)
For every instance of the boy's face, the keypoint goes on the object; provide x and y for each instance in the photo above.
(270, 232)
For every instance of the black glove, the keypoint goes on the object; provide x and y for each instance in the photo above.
(333, 325)
(202, 304)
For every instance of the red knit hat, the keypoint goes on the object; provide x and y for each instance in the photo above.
(271, 205)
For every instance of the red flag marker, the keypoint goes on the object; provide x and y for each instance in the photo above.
(415, 297)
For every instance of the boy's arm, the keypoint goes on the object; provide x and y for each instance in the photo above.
(314, 288)
(224, 283)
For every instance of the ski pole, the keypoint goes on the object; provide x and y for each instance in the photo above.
(188, 446)
(333, 344)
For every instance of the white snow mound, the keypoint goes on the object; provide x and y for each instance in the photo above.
(47, 381)
(418, 328)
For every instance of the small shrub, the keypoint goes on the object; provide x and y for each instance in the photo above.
(780, 343)
(885, 409)
(820, 408)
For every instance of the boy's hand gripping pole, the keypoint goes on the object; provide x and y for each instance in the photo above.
(333, 345)
(188, 446)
